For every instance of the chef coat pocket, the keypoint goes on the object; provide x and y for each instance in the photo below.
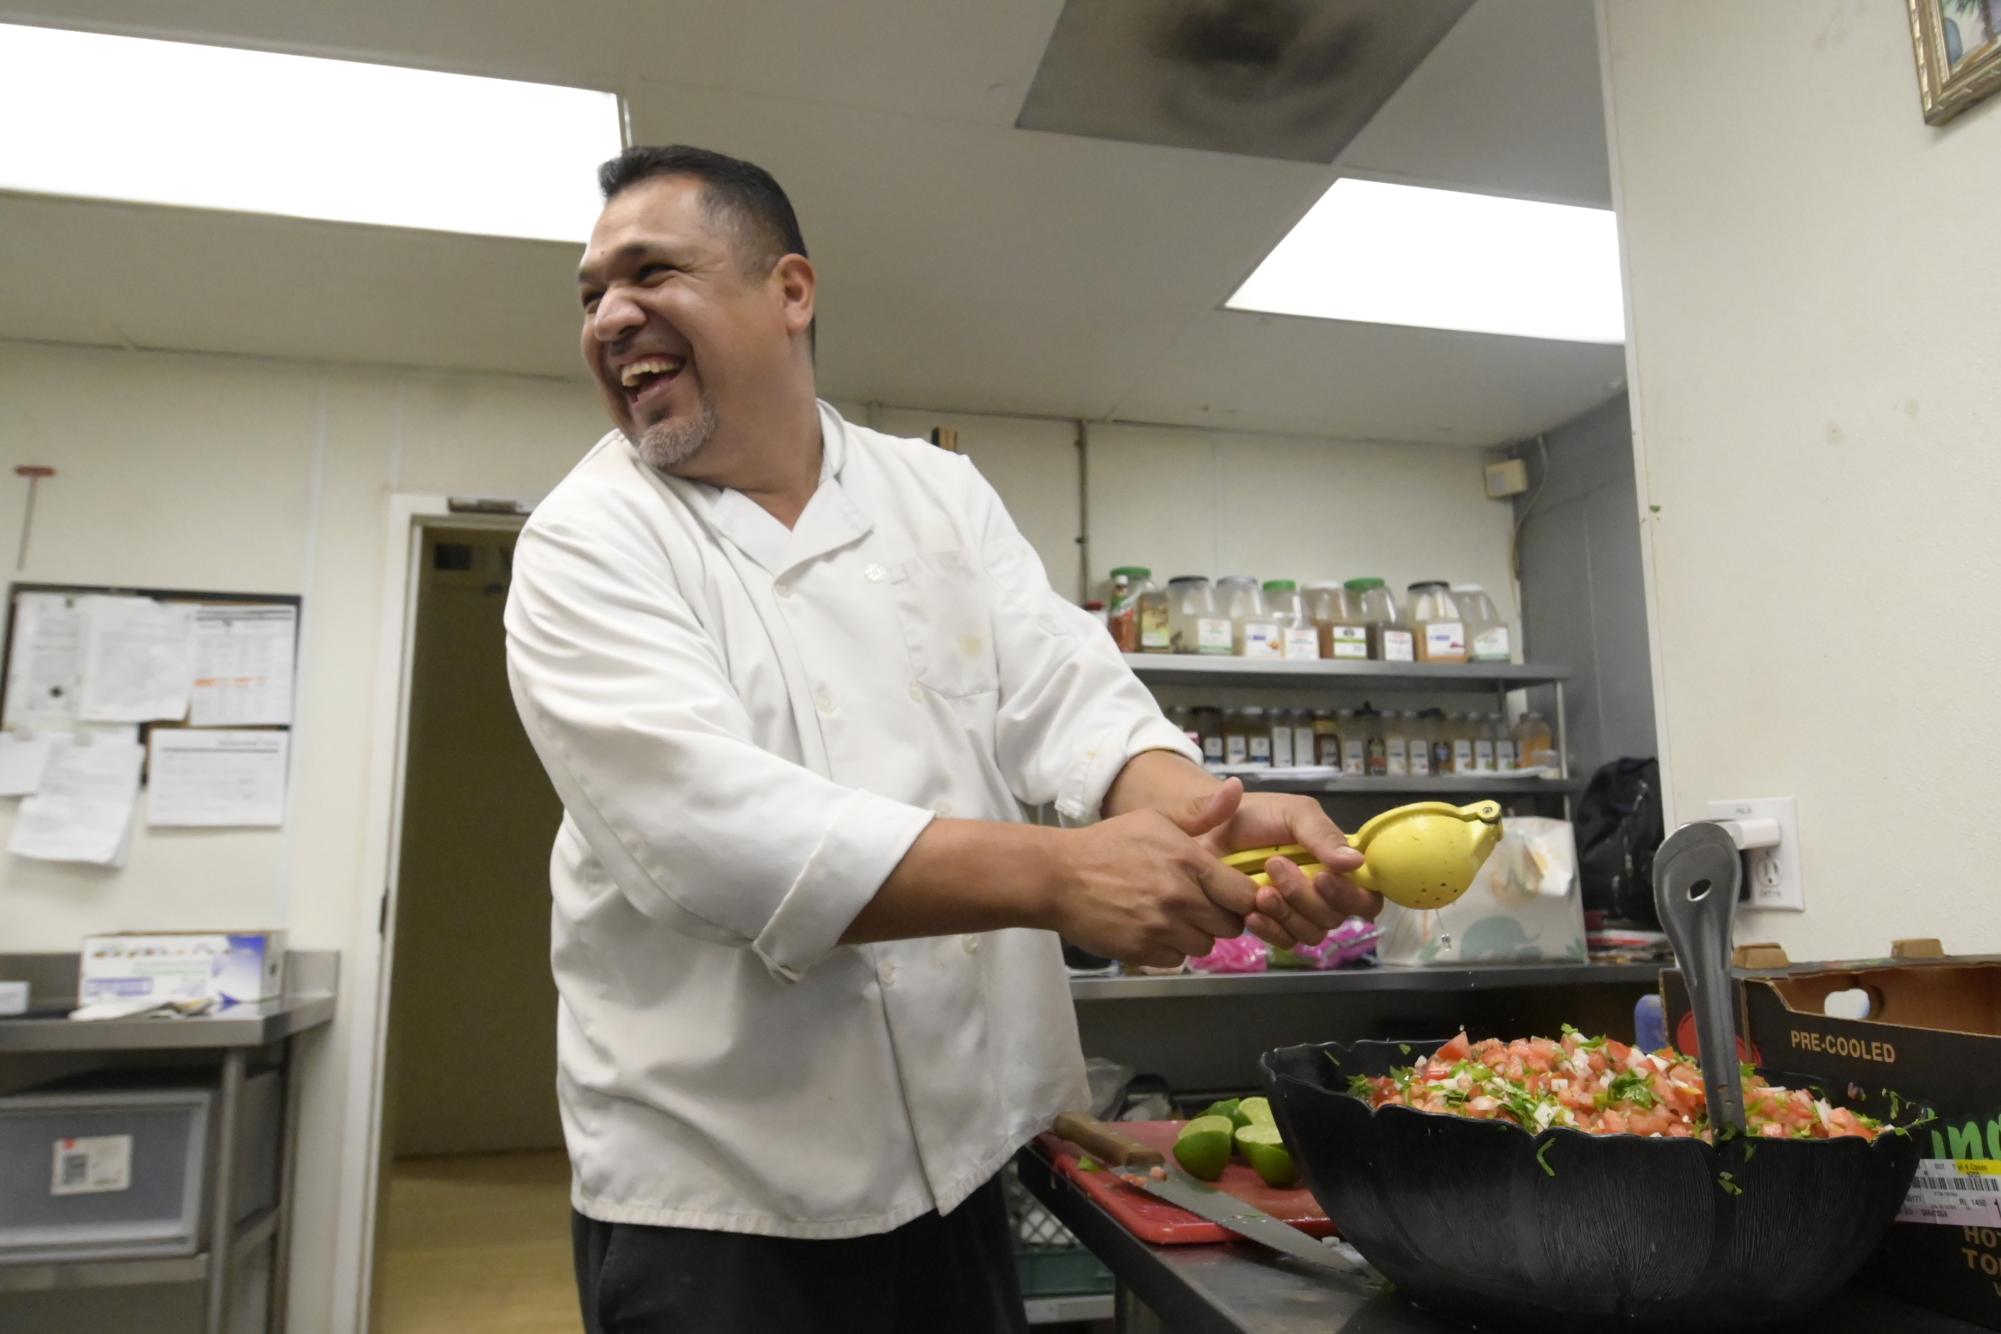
(946, 611)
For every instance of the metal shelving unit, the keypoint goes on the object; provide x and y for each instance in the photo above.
(234, 1036)
(1356, 981)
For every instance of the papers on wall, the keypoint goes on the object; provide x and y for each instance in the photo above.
(41, 665)
(215, 779)
(243, 665)
(136, 660)
(82, 810)
(22, 759)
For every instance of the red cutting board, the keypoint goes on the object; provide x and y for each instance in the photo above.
(1153, 1219)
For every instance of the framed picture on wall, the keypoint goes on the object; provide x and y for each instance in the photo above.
(1959, 53)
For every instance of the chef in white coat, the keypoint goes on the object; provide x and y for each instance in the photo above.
(795, 682)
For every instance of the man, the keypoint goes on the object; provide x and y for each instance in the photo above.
(795, 682)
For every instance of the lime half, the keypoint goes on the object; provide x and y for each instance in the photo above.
(1268, 1156)
(1204, 1146)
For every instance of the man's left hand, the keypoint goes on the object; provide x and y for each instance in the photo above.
(1293, 909)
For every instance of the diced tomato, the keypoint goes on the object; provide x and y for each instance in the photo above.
(1454, 1051)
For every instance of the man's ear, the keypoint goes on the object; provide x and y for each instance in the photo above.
(797, 287)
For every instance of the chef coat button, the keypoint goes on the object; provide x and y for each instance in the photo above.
(825, 699)
(889, 974)
(875, 573)
(916, 693)
(782, 588)
(972, 944)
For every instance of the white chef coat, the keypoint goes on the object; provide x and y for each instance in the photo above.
(748, 727)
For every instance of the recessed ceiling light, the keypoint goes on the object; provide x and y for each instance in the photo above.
(159, 122)
(1378, 253)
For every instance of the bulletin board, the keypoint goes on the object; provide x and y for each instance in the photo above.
(203, 681)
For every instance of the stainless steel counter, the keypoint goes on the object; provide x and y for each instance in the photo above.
(1239, 1288)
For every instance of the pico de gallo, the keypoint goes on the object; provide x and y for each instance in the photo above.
(1598, 1085)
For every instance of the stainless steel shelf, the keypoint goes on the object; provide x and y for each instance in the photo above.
(139, 1271)
(1072, 1307)
(1216, 670)
(52, 977)
(1470, 785)
(1465, 977)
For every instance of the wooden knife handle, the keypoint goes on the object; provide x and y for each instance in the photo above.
(1098, 1138)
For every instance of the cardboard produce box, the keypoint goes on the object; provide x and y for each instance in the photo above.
(1933, 1035)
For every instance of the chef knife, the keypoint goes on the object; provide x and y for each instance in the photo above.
(1136, 1164)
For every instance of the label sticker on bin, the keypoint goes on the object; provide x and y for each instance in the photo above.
(94, 1165)
(1962, 1192)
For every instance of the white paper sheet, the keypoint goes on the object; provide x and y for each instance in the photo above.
(216, 779)
(243, 666)
(22, 760)
(41, 665)
(82, 812)
(136, 663)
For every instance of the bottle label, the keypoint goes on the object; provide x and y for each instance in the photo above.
(1153, 633)
(1212, 635)
(1462, 756)
(1420, 760)
(1281, 746)
(1483, 755)
(1303, 644)
(1491, 645)
(1353, 762)
(1328, 749)
(1378, 758)
(1212, 749)
(1350, 641)
(1504, 753)
(1261, 639)
(1398, 646)
(1441, 757)
(1261, 748)
(1302, 745)
(1399, 757)
(1236, 749)
(1444, 640)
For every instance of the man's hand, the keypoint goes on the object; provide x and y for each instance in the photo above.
(1142, 888)
(1292, 909)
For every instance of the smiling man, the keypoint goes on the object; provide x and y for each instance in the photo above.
(795, 682)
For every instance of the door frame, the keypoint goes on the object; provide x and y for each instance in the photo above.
(362, 1142)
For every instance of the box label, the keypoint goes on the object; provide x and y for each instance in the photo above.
(1962, 1192)
(1303, 644)
(94, 1165)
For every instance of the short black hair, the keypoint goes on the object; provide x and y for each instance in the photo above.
(742, 194)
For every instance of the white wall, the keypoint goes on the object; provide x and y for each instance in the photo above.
(205, 472)
(1812, 282)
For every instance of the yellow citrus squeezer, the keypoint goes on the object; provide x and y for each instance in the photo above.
(1422, 856)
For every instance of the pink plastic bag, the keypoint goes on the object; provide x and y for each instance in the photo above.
(1347, 943)
(1245, 954)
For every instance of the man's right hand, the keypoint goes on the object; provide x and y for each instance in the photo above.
(1138, 888)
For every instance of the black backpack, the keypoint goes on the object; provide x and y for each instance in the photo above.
(1619, 828)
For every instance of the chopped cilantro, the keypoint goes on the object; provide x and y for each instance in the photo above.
(1632, 1087)
(1361, 1086)
(1730, 1186)
(1404, 1047)
(1746, 1070)
(1542, 1157)
(1750, 1150)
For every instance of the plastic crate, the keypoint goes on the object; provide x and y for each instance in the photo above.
(1048, 1256)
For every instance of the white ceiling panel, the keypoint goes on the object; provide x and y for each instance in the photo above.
(1370, 382)
(964, 263)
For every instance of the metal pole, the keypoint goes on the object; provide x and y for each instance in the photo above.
(288, 1156)
(222, 1200)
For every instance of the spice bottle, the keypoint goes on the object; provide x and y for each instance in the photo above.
(1257, 737)
(1437, 631)
(1420, 744)
(1389, 640)
(1128, 582)
(1375, 745)
(1326, 739)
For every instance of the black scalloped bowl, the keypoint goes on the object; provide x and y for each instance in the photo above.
(1630, 1233)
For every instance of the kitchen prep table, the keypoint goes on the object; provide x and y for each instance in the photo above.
(1241, 1288)
(47, 1043)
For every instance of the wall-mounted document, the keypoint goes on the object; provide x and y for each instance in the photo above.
(243, 665)
(22, 760)
(216, 779)
(41, 665)
(82, 811)
(137, 660)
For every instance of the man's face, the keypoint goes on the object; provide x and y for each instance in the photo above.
(675, 332)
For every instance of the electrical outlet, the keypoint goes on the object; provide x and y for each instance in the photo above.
(1771, 874)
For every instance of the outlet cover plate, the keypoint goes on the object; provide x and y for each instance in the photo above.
(1771, 874)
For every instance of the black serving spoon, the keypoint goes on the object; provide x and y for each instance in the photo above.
(1696, 876)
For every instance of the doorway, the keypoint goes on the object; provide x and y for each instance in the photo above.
(473, 1223)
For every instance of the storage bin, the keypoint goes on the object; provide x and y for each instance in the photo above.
(94, 1169)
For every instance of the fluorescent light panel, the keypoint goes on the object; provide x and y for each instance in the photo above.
(1378, 253)
(216, 127)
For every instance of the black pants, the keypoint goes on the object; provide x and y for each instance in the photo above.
(951, 1275)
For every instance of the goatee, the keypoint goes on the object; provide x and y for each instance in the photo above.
(666, 445)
